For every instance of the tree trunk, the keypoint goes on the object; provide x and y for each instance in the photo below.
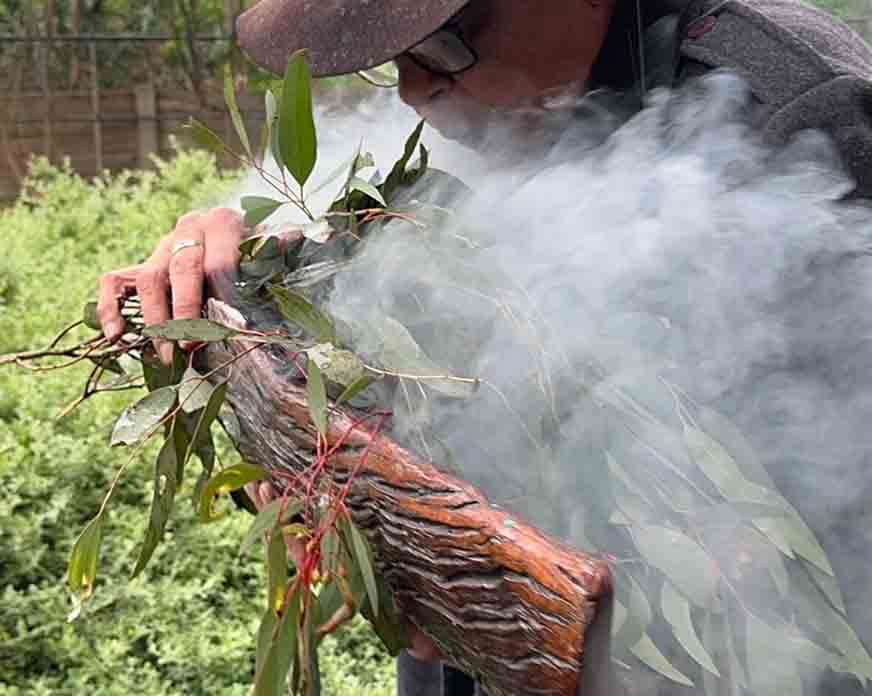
(504, 603)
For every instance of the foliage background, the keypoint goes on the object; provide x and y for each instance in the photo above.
(187, 626)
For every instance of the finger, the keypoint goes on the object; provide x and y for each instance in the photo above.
(114, 287)
(152, 286)
(223, 233)
(186, 269)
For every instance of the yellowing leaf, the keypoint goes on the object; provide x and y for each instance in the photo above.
(82, 568)
(230, 479)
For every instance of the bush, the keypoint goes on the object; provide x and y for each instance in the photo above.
(187, 625)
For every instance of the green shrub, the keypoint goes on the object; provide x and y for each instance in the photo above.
(187, 625)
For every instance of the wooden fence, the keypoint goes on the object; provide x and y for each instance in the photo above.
(104, 129)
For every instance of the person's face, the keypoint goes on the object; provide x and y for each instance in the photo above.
(526, 49)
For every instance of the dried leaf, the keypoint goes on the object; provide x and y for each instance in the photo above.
(233, 107)
(681, 560)
(258, 208)
(298, 310)
(141, 419)
(317, 397)
(676, 611)
(648, 653)
(201, 330)
(298, 142)
(82, 568)
(165, 484)
(230, 479)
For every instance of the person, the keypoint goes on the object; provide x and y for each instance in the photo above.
(464, 65)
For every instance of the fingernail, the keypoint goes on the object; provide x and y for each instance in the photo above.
(165, 350)
(114, 329)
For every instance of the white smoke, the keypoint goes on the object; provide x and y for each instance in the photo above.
(678, 274)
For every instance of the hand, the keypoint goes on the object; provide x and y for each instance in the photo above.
(202, 253)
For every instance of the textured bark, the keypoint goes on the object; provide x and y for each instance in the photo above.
(503, 602)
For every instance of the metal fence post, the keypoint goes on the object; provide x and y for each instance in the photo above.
(147, 126)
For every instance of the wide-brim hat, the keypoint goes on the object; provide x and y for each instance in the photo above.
(339, 36)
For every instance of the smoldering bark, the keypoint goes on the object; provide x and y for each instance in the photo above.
(503, 602)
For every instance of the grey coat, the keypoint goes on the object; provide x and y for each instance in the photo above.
(806, 70)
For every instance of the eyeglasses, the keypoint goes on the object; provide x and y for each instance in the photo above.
(445, 52)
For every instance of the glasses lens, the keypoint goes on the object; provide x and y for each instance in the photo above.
(385, 75)
(444, 52)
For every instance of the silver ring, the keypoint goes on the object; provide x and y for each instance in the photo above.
(185, 244)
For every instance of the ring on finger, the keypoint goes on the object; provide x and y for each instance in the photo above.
(185, 244)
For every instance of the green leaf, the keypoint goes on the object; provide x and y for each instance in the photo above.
(648, 653)
(230, 479)
(82, 568)
(413, 176)
(165, 484)
(271, 680)
(829, 585)
(681, 560)
(258, 208)
(157, 375)
(90, 318)
(338, 366)
(204, 137)
(638, 617)
(297, 138)
(771, 669)
(358, 184)
(317, 397)
(267, 520)
(676, 611)
(400, 352)
(233, 107)
(362, 556)
(141, 419)
(194, 391)
(298, 310)
(201, 330)
(277, 570)
(792, 532)
(395, 179)
(268, 624)
(206, 418)
(358, 386)
(721, 469)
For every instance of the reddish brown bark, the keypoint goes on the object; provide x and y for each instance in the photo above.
(503, 602)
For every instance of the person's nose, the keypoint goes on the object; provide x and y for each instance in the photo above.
(419, 87)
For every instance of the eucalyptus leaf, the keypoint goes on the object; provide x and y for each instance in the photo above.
(829, 585)
(649, 654)
(268, 623)
(358, 386)
(82, 567)
(298, 310)
(233, 107)
(358, 184)
(194, 391)
(793, 533)
(204, 137)
(676, 611)
(363, 558)
(297, 138)
(317, 397)
(277, 570)
(90, 318)
(637, 619)
(271, 680)
(395, 179)
(258, 208)
(142, 419)
(337, 366)
(230, 479)
(165, 484)
(320, 231)
(771, 670)
(201, 330)
(400, 353)
(267, 520)
(681, 560)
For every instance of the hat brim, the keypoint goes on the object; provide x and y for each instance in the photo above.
(339, 36)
